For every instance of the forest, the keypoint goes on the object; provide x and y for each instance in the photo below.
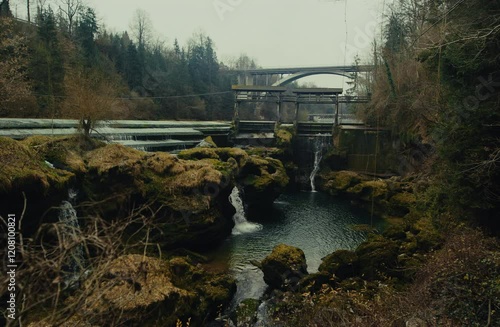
(63, 55)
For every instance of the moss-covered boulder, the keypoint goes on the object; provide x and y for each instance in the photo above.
(27, 179)
(342, 263)
(339, 181)
(188, 199)
(263, 178)
(284, 267)
(138, 290)
(378, 256)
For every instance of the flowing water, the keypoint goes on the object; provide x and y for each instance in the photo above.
(71, 232)
(315, 222)
(241, 224)
(320, 142)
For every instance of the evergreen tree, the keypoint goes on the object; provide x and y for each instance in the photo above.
(47, 65)
(5, 8)
(86, 30)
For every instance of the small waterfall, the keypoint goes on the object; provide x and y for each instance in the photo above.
(241, 224)
(320, 142)
(68, 217)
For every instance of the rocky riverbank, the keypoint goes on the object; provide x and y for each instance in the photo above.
(133, 209)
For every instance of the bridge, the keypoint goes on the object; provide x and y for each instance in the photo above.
(284, 76)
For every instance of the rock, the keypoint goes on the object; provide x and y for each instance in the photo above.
(152, 292)
(207, 143)
(24, 176)
(284, 267)
(377, 255)
(401, 203)
(262, 179)
(342, 263)
(339, 181)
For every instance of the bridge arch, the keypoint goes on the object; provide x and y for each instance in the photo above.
(293, 77)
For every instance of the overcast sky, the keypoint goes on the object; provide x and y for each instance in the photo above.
(277, 33)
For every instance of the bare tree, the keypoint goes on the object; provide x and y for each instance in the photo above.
(91, 97)
(141, 27)
(70, 8)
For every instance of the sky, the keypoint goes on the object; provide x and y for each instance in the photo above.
(276, 33)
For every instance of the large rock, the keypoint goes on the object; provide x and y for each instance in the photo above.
(136, 290)
(263, 178)
(28, 182)
(284, 267)
(342, 263)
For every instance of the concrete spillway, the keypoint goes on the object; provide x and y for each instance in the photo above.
(144, 135)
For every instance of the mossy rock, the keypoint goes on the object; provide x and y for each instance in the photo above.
(63, 152)
(377, 256)
(284, 138)
(428, 237)
(284, 267)
(133, 285)
(26, 178)
(342, 263)
(136, 289)
(369, 190)
(222, 154)
(24, 170)
(401, 203)
(339, 181)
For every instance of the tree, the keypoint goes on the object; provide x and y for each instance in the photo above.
(5, 8)
(47, 64)
(71, 8)
(86, 31)
(90, 98)
(141, 27)
(16, 91)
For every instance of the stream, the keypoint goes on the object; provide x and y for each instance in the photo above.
(315, 222)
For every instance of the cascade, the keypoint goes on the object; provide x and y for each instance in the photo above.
(68, 217)
(320, 142)
(241, 224)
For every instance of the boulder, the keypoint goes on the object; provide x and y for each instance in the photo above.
(342, 263)
(284, 267)
(142, 290)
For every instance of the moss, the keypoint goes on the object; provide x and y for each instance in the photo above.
(262, 173)
(284, 266)
(342, 263)
(370, 189)
(401, 203)
(377, 256)
(428, 237)
(215, 153)
(24, 170)
(335, 182)
(284, 138)
(115, 157)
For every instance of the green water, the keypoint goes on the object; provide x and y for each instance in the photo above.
(315, 222)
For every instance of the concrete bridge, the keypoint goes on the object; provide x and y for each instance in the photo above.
(284, 76)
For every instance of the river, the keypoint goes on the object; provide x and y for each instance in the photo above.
(315, 222)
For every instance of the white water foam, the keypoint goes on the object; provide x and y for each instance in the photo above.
(241, 224)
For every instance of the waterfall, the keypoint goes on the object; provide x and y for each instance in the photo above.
(241, 224)
(68, 217)
(319, 145)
